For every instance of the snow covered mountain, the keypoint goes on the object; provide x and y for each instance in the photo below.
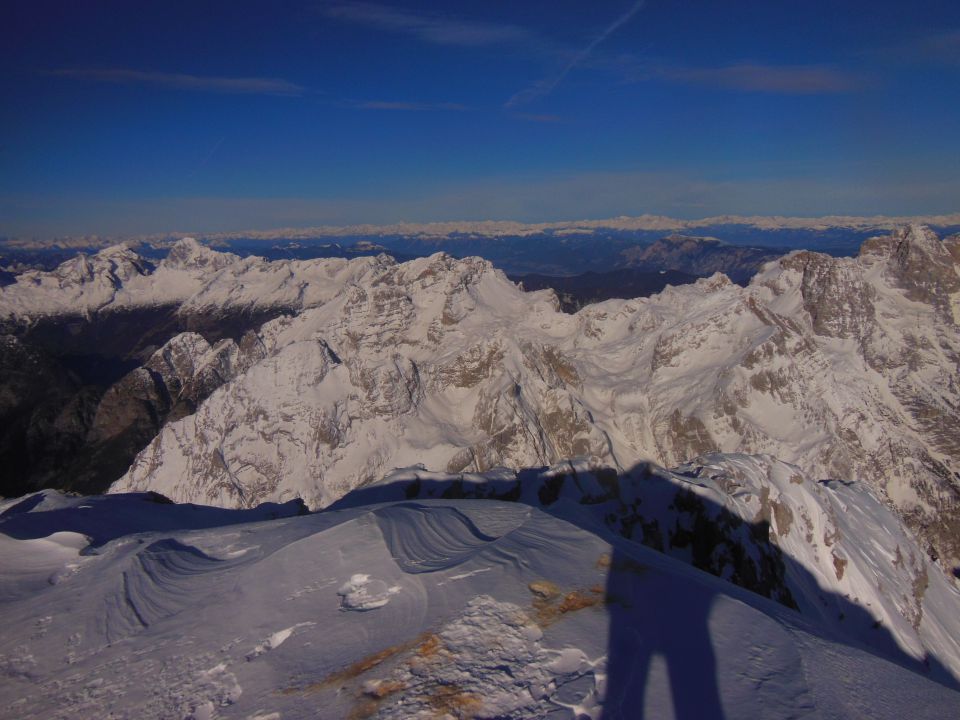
(67, 404)
(845, 367)
(466, 584)
(433, 608)
(192, 277)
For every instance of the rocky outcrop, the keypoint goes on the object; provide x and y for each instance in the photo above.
(169, 386)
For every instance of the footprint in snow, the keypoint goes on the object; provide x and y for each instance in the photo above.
(361, 592)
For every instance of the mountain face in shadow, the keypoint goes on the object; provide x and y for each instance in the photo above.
(701, 256)
(80, 397)
(576, 291)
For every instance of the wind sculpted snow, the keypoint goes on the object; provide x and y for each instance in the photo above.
(495, 610)
(831, 550)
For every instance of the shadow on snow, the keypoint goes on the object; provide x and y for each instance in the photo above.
(651, 621)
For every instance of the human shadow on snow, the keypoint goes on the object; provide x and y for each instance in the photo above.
(656, 622)
(659, 629)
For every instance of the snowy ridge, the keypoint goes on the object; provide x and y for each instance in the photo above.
(844, 367)
(492, 609)
(192, 276)
(830, 549)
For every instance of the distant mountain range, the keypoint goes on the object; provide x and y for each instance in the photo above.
(577, 291)
(501, 228)
(646, 243)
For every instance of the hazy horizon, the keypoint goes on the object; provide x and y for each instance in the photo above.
(639, 223)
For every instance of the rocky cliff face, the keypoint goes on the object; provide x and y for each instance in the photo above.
(45, 412)
(699, 256)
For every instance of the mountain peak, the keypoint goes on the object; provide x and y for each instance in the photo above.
(681, 239)
(190, 253)
(120, 249)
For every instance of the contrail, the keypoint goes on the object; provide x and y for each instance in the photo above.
(545, 87)
(206, 159)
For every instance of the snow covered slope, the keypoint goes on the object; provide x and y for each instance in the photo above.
(192, 276)
(846, 367)
(830, 549)
(433, 608)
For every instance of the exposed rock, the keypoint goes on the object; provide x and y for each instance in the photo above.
(698, 255)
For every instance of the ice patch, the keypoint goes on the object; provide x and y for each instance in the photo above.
(464, 576)
(275, 640)
(568, 660)
(361, 593)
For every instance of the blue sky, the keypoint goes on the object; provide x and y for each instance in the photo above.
(124, 117)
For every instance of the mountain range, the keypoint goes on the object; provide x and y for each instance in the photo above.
(806, 414)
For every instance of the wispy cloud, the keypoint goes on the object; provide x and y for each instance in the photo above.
(181, 81)
(431, 28)
(751, 77)
(403, 105)
(941, 47)
(546, 86)
(206, 158)
(540, 117)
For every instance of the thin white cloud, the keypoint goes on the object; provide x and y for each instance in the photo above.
(434, 29)
(540, 117)
(546, 86)
(181, 81)
(945, 46)
(941, 47)
(750, 77)
(404, 105)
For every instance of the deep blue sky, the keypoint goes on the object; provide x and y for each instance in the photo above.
(130, 117)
